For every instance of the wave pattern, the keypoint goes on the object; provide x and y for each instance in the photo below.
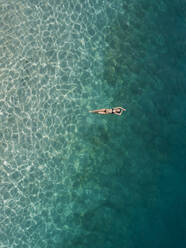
(72, 179)
(48, 51)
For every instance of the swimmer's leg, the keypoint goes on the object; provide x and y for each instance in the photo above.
(97, 111)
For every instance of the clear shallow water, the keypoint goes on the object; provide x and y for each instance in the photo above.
(72, 179)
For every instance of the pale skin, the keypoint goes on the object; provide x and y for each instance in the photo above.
(116, 111)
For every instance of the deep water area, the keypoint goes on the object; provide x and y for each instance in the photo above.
(73, 179)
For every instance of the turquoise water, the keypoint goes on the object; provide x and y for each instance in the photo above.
(69, 178)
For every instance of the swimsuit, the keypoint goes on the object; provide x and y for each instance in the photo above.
(117, 112)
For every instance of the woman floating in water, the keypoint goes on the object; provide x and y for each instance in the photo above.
(116, 111)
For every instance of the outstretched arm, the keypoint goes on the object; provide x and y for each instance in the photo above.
(120, 108)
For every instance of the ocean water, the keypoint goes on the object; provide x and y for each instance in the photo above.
(71, 179)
